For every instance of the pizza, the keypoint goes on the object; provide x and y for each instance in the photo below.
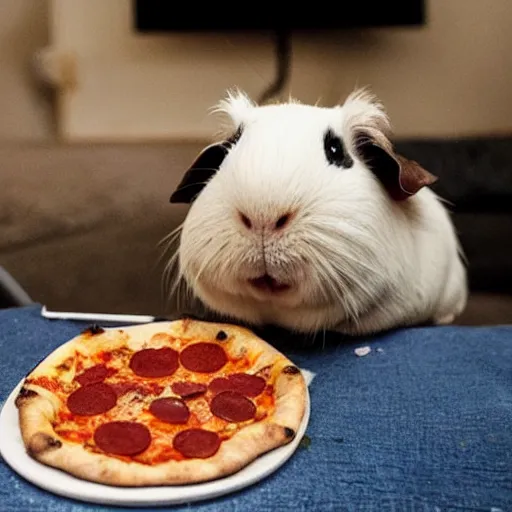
(164, 403)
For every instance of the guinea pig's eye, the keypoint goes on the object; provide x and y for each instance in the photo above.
(335, 151)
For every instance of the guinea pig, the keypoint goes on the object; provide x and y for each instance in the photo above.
(304, 217)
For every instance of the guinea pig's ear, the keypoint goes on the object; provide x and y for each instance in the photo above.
(400, 176)
(202, 170)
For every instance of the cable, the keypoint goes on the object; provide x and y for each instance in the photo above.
(11, 292)
(283, 54)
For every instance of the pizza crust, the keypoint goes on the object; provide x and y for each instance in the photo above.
(38, 408)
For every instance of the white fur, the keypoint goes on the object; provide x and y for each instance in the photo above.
(358, 262)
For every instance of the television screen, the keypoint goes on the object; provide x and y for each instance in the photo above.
(166, 16)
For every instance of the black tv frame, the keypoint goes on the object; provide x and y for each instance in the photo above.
(164, 16)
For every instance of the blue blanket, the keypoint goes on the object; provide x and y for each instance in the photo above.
(421, 423)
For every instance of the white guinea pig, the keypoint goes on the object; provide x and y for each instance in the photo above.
(305, 218)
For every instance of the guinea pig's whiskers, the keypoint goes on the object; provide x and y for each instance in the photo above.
(171, 268)
(171, 236)
(182, 292)
(323, 338)
(200, 271)
(163, 253)
(170, 243)
(224, 264)
(350, 286)
(348, 280)
(357, 255)
(328, 280)
(170, 251)
(214, 263)
(171, 275)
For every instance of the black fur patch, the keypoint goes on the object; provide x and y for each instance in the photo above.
(203, 169)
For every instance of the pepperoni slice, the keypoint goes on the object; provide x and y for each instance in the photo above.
(246, 384)
(219, 385)
(196, 443)
(203, 357)
(232, 406)
(154, 362)
(170, 410)
(92, 399)
(243, 383)
(94, 374)
(122, 437)
(188, 389)
(121, 388)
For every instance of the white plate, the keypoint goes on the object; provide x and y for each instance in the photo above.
(59, 482)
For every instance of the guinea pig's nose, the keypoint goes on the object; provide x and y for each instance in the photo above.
(273, 225)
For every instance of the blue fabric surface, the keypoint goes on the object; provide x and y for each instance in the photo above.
(422, 423)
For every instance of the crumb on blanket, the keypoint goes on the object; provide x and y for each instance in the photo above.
(362, 351)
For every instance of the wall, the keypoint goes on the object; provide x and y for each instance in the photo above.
(26, 113)
(450, 78)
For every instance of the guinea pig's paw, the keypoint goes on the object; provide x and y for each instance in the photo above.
(444, 320)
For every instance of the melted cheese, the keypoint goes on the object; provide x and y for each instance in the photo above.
(135, 395)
